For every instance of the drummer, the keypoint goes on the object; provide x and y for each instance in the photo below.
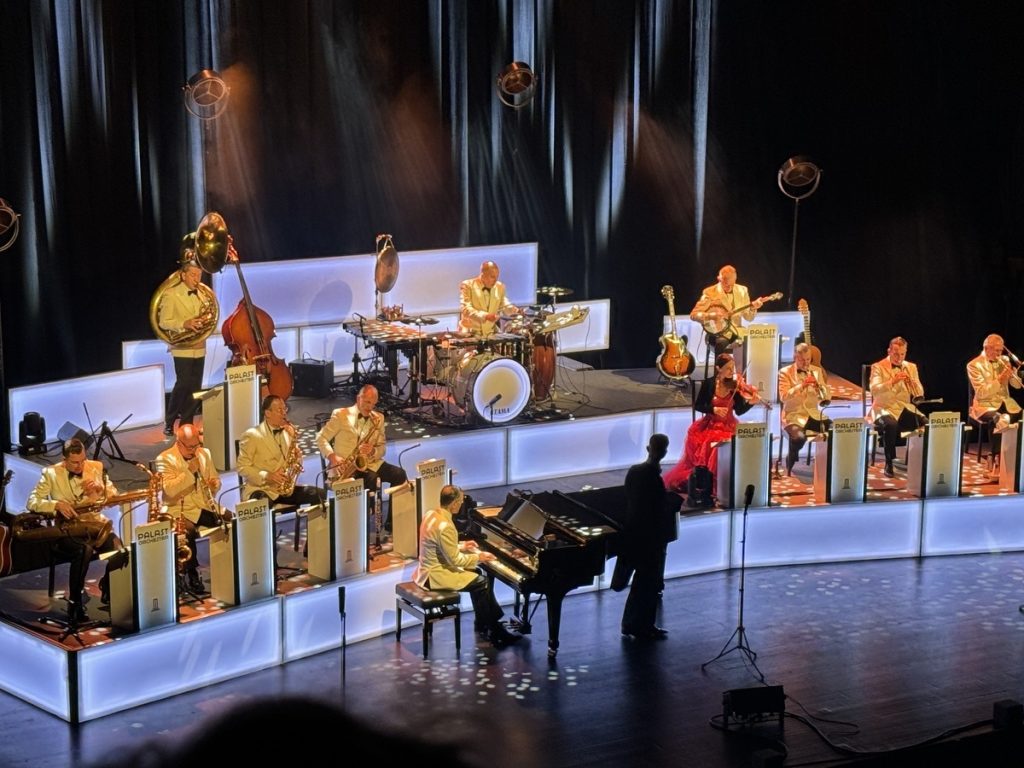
(483, 301)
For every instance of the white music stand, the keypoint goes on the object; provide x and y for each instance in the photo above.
(242, 555)
(229, 409)
(336, 532)
(934, 457)
(143, 593)
(840, 462)
(744, 461)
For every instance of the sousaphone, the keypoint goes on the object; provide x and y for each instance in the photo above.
(207, 248)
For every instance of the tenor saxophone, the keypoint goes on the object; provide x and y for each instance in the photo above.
(355, 461)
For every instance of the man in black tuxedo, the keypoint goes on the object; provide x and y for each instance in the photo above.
(650, 525)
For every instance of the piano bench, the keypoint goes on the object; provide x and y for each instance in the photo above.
(428, 605)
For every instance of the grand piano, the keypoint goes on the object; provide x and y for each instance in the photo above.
(549, 543)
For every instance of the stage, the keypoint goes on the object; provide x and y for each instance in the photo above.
(595, 425)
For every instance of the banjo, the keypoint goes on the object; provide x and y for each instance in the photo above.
(718, 317)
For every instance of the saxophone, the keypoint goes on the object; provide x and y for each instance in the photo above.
(355, 461)
(293, 467)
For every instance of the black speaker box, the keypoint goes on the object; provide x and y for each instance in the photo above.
(312, 378)
(69, 431)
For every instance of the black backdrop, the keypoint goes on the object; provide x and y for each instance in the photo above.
(351, 118)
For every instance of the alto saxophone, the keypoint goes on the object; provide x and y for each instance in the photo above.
(356, 461)
(294, 466)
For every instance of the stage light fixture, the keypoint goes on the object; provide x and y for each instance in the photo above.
(31, 434)
(8, 225)
(516, 85)
(206, 94)
(798, 179)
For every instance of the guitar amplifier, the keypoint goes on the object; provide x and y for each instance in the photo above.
(312, 378)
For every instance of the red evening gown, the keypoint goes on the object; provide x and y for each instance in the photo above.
(701, 448)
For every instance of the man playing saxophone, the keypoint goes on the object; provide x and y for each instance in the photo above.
(190, 482)
(270, 460)
(353, 442)
(74, 491)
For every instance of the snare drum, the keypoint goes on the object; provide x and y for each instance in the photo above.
(493, 388)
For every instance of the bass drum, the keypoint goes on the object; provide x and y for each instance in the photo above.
(495, 389)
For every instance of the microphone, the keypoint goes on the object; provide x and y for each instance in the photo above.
(405, 451)
(395, 488)
(493, 400)
(227, 491)
(748, 495)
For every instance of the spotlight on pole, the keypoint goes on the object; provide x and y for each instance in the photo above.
(516, 85)
(206, 94)
(8, 225)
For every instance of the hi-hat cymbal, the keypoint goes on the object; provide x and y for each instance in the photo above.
(555, 290)
(420, 320)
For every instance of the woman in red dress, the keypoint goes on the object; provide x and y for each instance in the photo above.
(719, 399)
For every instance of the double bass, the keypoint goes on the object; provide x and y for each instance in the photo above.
(248, 330)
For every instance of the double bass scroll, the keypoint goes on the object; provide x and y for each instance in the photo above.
(248, 331)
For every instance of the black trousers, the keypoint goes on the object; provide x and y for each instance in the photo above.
(485, 606)
(889, 429)
(207, 519)
(798, 438)
(388, 473)
(991, 417)
(640, 612)
(188, 372)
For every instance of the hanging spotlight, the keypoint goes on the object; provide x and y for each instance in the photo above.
(516, 85)
(799, 177)
(8, 225)
(206, 94)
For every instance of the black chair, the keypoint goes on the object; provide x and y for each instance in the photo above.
(982, 430)
(281, 511)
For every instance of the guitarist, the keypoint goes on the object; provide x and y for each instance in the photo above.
(717, 303)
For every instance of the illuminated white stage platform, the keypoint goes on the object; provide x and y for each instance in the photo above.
(80, 685)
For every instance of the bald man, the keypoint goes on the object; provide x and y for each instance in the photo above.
(718, 302)
(482, 300)
(190, 483)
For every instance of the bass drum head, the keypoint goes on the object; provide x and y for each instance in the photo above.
(485, 376)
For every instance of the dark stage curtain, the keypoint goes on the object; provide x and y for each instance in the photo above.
(648, 157)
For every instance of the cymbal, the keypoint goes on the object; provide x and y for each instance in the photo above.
(419, 320)
(554, 290)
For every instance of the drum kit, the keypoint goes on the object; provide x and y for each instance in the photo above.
(494, 378)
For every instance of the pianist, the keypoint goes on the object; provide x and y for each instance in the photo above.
(443, 565)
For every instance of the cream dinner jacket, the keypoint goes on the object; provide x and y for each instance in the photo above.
(182, 492)
(441, 562)
(989, 394)
(714, 294)
(260, 452)
(889, 398)
(800, 403)
(342, 433)
(176, 308)
(476, 304)
(55, 484)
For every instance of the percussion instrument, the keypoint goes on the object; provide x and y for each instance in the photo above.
(495, 389)
(541, 363)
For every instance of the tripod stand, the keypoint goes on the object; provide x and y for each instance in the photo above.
(740, 633)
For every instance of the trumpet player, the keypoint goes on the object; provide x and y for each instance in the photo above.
(64, 492)
(803, 388)
(992, 374)
(270, 460)
(190, 484)
(895, 385)
(353, 443)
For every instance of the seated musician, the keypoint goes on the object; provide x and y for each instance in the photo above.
(353, 442)
(718, 302)
(482, 301)
(803, 388)
(270, 460)
(190, 482)
(74, 491)
(992, 374)
(445, 564)
(894, 387)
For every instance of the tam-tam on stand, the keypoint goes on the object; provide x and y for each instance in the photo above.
(934, 457)
(143, 590)
(242, 555)
(840, 462)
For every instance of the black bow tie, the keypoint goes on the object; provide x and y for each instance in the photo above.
(193, 293)
(363, 418)
(487, 289)
(277, 431)
(802, 371)
(75, 474)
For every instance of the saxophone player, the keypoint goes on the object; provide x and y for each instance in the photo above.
(269, 459)
(62, 492)
(190, 482)
(353, 443)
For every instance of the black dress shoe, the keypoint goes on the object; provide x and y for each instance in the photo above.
(651, 633)
(169, 430)
(104, 590)
(195, 584)
(888, 471)
(501, 637)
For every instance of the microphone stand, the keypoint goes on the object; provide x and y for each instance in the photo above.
(740, 633)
